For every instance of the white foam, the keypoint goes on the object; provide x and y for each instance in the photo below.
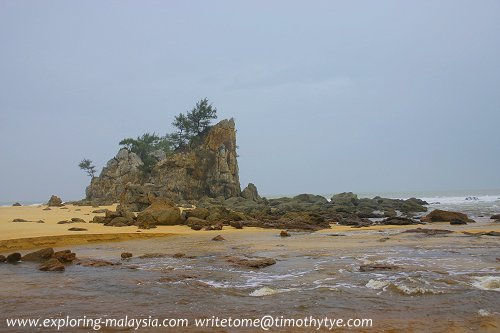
(265, 291)
(377, 284)
(487, 283)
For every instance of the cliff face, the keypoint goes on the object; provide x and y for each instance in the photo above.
(210, 169)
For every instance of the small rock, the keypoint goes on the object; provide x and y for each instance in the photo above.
(17, 204)
(153, 255)
(47, 208)
(383, 239)
(218, 238)
(64, 222)
(77, 220)
(457, 222)
(495, 217)
(95, 263)
(284, 233)
(126, 255)
(102, 210)
(51, 265)
(64, 208)
(179, 255)
(40, 221)
(77, 229)
(429, 232)
(2, 258)
(13, 258)
(257, 262)
(196, 227)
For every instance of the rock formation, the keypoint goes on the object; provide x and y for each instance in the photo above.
(207, 169)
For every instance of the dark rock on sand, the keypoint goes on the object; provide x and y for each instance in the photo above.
(77, 229)
(256, 262)
(429, 232)
(218, 238)
(284, 233)
(51, 265)
(495, 217)
(55, 201)
(46, 208)
(377, 267)
(17, 204)
(236, 224)
(13, 258)
(399, 221)
(77, 220)
(126, 255)
(439, 215)
(20, 220)
(40, 255)
(65, 222)
(2, 258)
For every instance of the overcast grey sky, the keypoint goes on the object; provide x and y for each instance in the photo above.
(327, 95)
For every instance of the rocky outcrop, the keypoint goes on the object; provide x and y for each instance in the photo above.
(118, 172)
(209, 168)
(55, 201)
(250, 192)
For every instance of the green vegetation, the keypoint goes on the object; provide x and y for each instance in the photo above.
(145, 146)
(189, 128)
(86, 165)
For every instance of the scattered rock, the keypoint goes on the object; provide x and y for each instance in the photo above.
(2, 258)
(196, 227)
(439, 215)
(384, 239)
(40, 255)
(13, 258)
(20, 220)
(126, 255)
(153, 255)
(77, 220)
(495, 217)
(218, 238)
(17, 204)
(88, 262)
(256, 262)
(40, 221)
(429, 232)
(77, 229)
(64, 222)
(179, 255)
(55, 201)
(284, 233)
(377, 267)
(51, 265)
(399, 221)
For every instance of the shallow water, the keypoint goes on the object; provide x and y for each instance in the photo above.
(445, 283)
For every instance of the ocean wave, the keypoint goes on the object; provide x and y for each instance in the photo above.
(487, 283)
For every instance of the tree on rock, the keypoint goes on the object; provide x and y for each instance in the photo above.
(86, 165)
(144, 146)
(183, 134)
(201, 116)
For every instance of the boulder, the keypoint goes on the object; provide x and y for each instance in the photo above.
(446, 216)
(55, 201)
(236, 224)
(250, 193)
(161, 212)
(310, 198)
(198, 212)
(126, 255)
(254, 262)
(284, 233)
(13, 258)
(40, 255)
(495, 217)
(65, 256)
(345, 199)
(51, 265)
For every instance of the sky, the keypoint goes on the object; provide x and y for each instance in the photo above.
(328, 96)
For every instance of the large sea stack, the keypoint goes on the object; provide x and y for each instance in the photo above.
(207, 169)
